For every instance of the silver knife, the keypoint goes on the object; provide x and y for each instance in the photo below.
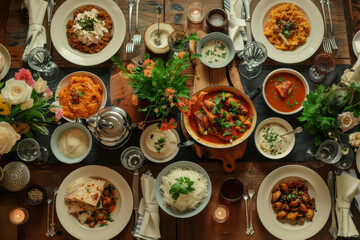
(50, 8)
(247, 4)
(135, 190)
(28, 42)
(330, 182)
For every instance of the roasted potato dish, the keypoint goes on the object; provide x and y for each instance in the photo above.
(292, 202)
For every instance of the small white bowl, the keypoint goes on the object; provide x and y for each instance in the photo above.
(291, 71)
(286, 125)
(55, 146)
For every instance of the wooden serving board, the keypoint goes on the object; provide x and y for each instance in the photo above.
(210, 77)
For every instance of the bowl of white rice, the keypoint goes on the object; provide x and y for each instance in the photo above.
(183, 189)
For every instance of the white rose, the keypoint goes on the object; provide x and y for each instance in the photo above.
(28, 104)
(16, 91)
(54, 106)
(8, 137)
(345, 119)
(354, 139)
(40, 85)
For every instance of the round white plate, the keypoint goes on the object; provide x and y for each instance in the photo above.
(317, 189)
(7, 59)
(65, 81)
(301, 53)
(356, 38)
(58, 32)
(121, 214)
(358, 160)
(143, 149)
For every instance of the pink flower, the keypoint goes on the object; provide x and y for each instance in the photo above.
(58, 114)
(25, 75)
(47, 92)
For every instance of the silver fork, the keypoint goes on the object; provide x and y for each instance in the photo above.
(251, 191)
(246, 214)
(49, 198)
(326, 42)
(56, 179)
(130, 43)
(331, 35)
(137, 35)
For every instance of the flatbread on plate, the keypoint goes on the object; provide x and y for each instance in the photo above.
(85, 190)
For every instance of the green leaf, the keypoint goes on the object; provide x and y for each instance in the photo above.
(117, 61)
(180, 188)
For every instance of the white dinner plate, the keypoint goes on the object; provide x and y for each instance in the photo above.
(301, 53)
(356, 39)
(358, 160)
(317, 189)
(7, 59)
(58, 32)
(121, 214)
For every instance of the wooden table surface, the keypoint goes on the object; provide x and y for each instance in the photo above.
(13, 29)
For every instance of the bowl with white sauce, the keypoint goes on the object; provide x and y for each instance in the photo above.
(216, 49)
(268, 139)
(71, 142)
(195, 182)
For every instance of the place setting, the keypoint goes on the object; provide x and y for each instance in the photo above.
(197, 120)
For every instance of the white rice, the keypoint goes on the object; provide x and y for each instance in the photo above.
(188, 201)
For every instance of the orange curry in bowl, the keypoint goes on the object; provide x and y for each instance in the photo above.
(81, 97)
(285, 92)
(220, 118)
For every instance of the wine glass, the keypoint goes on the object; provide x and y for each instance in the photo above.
(39, 59)
(347, 157)
(324, 64)
(29, 150)
(132, 158)
(254, 54)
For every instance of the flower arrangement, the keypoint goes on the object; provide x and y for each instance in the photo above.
(160, 86)
(24, 106)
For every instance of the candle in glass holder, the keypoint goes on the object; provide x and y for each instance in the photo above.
(196, 12)
(19, 216)
(221, 214)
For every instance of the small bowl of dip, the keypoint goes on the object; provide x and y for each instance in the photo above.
(159, 146)
(268, 140)
(71, 142)
(216, 49)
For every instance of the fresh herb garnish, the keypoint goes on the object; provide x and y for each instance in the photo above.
(180, 188)
(159, 144)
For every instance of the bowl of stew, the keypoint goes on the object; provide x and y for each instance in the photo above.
(220, 117)
(284, 90)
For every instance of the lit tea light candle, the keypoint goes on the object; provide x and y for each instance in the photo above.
(19, 216)
(196, 12)
(221, 214)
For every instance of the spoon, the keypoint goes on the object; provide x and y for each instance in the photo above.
(49, 195)
(297, 130)
(158, 34)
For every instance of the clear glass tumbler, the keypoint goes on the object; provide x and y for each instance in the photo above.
(254, 54)
(29, 150)
(39, 59)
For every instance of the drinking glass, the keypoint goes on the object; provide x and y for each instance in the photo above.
(231, 190)
(347, 157)
(324, 64)
(175, 42)
(39, 59)
(254, 54)
(132, 158)
(29, 150)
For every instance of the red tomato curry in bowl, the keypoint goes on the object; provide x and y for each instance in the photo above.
(284, 90)
(220, 117)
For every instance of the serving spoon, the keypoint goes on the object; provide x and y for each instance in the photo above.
(296, 130)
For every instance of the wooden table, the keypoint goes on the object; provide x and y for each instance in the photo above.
(13, 27)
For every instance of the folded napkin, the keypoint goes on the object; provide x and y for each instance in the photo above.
(148, 225)
(236, 24)
(346, 187)
(36, 9)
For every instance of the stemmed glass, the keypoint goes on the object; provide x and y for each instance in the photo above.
(324, 64)
(255, 54)
(39, 59)
(29, 150)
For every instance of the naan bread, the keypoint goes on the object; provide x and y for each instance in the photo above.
(2, 62)
(84, 215)
(85, 190)
(74, 206)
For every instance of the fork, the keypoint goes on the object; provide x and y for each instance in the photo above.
(56, 179)
(246, 214)
(137, 35)
(326, 42)
(331, 35)
(49, 199)
(130, 43)
(251, 191)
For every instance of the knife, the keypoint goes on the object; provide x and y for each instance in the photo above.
(330, 183)
(247, 4)
(28, 42)
(135, 189)
(50, 8)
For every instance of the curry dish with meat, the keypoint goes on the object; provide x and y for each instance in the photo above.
(292, 202)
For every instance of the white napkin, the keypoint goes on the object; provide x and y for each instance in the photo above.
(346, 187)
(236, 24)
(36, 9)
(148, 225)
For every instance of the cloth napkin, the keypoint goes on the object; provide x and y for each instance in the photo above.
(346, 187)
(36, 9)
(148, 225)
(236, 24)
